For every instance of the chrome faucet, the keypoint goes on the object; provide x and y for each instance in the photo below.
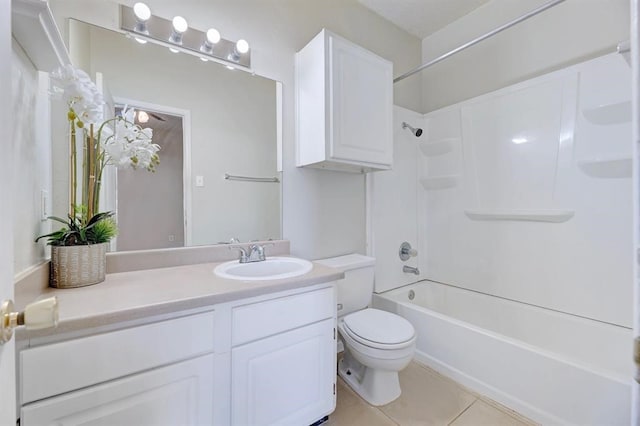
(243, 253)
(254, 253)
(410, 270)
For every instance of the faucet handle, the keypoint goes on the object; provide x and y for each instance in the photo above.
(257, 251)
(260, 246)
(406, 251)
(243, 252)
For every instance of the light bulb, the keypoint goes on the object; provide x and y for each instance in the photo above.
(242, 46)
(143, 117)
(229, 67)
(140, 40)
(180, 24)
(172, 50)
(204, 59)
(213, 36)
(142, 11)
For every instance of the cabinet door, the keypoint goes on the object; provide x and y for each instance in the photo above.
(361, 90)
(286, 379)
(179, 394)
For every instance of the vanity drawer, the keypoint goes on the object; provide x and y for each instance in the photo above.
(62, 367)
(262, 319)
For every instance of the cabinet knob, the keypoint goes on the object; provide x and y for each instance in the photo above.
(37, 315)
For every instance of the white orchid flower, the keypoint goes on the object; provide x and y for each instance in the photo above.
(128, 145)
(79, 93)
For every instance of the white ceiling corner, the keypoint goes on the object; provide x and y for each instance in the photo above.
(422, 17)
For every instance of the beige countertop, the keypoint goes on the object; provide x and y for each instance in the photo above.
(135, 295)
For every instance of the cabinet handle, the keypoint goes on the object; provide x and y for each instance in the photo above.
(37, 315)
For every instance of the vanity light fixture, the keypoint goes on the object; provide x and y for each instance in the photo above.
(241, 47)
(143, 117)
(212, 38)
(142, 14)
(180, 26)
(140, 24)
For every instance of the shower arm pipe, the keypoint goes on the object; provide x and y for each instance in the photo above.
(491, 33)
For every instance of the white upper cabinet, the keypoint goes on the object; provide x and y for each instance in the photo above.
(344, 96)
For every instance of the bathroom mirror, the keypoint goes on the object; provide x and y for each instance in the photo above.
(211, 121)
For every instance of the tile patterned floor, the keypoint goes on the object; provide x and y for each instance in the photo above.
(427, 399)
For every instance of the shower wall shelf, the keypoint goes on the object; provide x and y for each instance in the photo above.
(554, 216)
(604, 115)
(438, 147)
(440, 182)
(611, 167)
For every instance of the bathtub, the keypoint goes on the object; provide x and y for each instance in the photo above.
(552, 367)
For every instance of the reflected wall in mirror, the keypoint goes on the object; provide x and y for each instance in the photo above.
(229, 126)
(161, 192)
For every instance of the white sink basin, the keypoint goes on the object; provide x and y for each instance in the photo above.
(274, 268)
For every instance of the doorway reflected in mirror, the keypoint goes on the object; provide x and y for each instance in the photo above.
(160, 192)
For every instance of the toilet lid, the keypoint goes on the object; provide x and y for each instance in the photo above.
(378, 326)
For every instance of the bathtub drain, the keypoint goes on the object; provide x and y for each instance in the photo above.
(412, 294)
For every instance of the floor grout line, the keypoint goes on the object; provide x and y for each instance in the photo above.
(462, 412)
(475, 396)
(388, 417)
(494, 404)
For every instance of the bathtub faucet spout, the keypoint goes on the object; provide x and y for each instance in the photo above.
(410, 270)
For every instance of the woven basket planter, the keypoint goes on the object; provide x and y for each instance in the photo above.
(77, 266)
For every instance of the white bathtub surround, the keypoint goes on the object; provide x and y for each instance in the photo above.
(540, 207)
(552, 367)
(523, 194)
(392, 197)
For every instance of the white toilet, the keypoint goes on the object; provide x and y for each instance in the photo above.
(378, 344)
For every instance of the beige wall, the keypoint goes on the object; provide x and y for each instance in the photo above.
(566, 34)
(323, 212)
(32, 159)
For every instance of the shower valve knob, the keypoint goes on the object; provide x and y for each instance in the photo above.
(406, 251)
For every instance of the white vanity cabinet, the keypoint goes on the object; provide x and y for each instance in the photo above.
(179, 394)
(255, 361)
(154, 374)
(283, 368)
(344, 106)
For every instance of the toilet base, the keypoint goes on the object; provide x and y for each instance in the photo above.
(377, 387)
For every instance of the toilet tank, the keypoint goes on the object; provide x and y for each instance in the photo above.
(355, 290)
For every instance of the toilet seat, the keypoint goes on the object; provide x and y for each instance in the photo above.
(379, 329)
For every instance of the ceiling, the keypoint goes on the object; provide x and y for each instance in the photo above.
(422, 17)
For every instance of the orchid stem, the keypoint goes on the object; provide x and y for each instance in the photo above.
(73, 171)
